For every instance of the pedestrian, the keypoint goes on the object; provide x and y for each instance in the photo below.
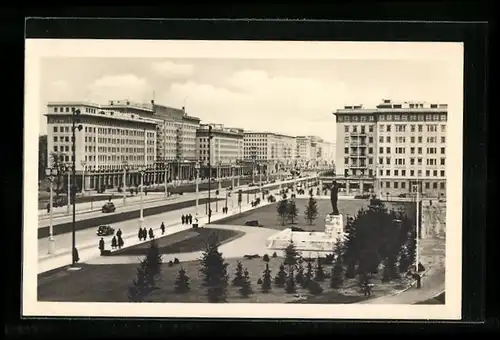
(183, 219)
(114, 244)
(119, 233)
(139, 234)
(101, 245)
(151, 233)
(48, 208)
(120, 242)
(144, 234)
(190, 219)
(162, 227)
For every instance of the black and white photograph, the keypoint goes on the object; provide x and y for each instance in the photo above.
(283, 178)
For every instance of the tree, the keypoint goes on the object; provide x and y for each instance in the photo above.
(57, 162)
(282, 209)
(337, 270)
(319, 274)
(308, 276)
(292, 211)
(213, 270)
(266, 280)
(182, 282)
(42, 156)
(299, 277)
(265, 258)
(246, 286)
(280, 278)
(311, 212)
(238, 275)
(291, 255)
(290, 281)
(314, 287)
(140, 287)
(154, 261)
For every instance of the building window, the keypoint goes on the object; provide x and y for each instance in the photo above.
(419, 139)
(419, 161)
(388, 128)
(412, 173)
(419, 151)
(381, 128)
(55, 138)
(434, 173)
(442, 161)
(388, 160)
(403, 185)
(420, 128)
(370, 150)
(387, 172)
(441, 185)
(427, 185)
(443, 139)
(442, 150)
(434, 185)
(370, 160)
(381, 139)
(403, 172)
(443, 128)
(388, 139)
(55, 148)
(442, 173)
(412, 127)
(346, 150)
(370, 139)
(346, 160)
(387, 184)
(388, 150)
(370, 128)
(381, 160)
(396, 172)
(427, 173)
(412, 139)
(346, 128)
(412, 161)
(381, 172)
(396, 185)
(380, 150)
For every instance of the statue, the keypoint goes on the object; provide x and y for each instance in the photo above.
(334, 195)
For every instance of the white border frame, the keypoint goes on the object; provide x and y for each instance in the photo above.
(36, 49)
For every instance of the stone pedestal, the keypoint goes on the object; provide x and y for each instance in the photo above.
(334, 226)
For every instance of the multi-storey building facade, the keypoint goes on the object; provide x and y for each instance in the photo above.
(314, 152)
(176, 137)
(303, 150)
(226, 150)
(271, 150)
(392, 148)
(109, 142)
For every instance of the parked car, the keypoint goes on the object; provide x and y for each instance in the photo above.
(108, 207)
(105, 230)
(251, 184)
(362, 197)
(402, 195)
(253, 223)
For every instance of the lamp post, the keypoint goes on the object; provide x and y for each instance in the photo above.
(51, 175)
(417, 227)
(69, 191)
(142, 171)
(125, 169)
(209, 171)
(165, 175)
(197, 169)
(75, 126)
(84, 165)
(232, 177)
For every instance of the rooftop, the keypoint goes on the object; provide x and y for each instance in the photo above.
(387, 105)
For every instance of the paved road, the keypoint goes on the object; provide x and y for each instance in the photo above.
(87, 241)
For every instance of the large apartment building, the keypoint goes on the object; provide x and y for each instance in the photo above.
(391, 148)
(314, 152)
(108, 142)
(271, 150)
(226, 150)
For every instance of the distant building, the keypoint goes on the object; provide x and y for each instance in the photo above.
(393, 147)
(314, 152)
(226, 150)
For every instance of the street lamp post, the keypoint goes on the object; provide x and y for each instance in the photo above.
(125, 169)
(51, 175)
(232, 177)
(209, 171)
(197, 177)
(69, 192)
(75, 126)
(417, 226)
(142, 171)
(84, 165)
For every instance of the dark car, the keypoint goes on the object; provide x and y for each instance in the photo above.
(362, 197)
(105, 230)
(108, 207)
(253, 223)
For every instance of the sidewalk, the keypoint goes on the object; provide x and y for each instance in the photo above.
(90, 250)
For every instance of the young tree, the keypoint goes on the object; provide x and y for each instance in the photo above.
(266, 280)
(57, 160)
(319, 274)
(311, 212)
(314, 287)
(292, 211)
(182, 282)
(154, 261)
(308, 276)
(246, 286)
(282, 209)
(265, 258)
(140, 287)
(291, 255)
(299, 277)
(213, 270)
(290, 281)
(280, 278)
(337, 270)
(238, 275)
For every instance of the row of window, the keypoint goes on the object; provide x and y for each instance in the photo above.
(403, 173)
(398, 128)
(397, 150)
(392, 117)
(427, 185)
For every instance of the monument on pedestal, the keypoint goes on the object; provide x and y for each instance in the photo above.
(334, 224)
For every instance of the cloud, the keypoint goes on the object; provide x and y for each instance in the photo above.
(171, 70)
(59, 90)
(121, 86)
(253, 100)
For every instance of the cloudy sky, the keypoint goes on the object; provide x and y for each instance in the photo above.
(295, 97)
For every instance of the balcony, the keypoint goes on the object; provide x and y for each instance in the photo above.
(357, 155)
(358, 134)
(358, 166)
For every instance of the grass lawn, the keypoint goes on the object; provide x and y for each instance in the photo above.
(109, 283)
(268, 216)
(186, 241)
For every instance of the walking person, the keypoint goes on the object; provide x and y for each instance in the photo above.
(101, 245)
(114, 244)
(120, 242)
(139, 234)
(162, 227)
(144, 234)
(151, 234)
(119, 233)
(183, 219)
(190, 218)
